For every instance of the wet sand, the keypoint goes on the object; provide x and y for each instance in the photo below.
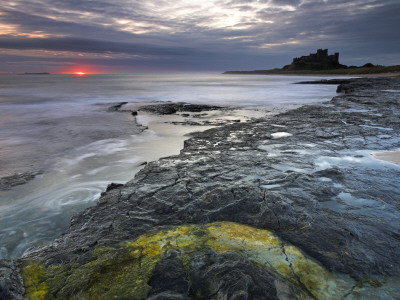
(391, 156)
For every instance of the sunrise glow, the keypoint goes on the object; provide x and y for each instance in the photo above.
(83, 68)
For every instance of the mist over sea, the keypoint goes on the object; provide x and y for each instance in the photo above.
(58, 127)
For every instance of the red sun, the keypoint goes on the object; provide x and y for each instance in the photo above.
(85, 69)
(80, 70)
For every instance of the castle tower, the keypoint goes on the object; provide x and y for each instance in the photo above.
(322, 54)
(337, 57)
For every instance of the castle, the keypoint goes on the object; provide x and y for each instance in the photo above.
(316, 61)
(320, 57)
(319, 61)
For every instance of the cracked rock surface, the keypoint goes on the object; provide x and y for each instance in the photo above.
(306, 175)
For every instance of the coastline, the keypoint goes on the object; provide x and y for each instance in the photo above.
(315, 73)
(305, 175)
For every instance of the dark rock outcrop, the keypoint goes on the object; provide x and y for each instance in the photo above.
(8, 182)
(172, 108)
(117, 106)
(326, 81)
(268, 209)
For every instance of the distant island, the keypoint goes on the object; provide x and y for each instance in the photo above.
(37, 73)
(322, 63)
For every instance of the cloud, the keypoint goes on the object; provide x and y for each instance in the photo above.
(191, 31)
(90, 46)
(286, 2)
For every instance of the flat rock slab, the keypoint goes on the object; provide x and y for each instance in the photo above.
(9, 182)
(306, 175)
(172, 108)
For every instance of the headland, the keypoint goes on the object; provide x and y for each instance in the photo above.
(320, 63)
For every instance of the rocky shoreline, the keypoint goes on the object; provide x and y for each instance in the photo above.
(287, 207)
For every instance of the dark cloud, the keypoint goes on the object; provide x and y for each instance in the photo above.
(228, 34)
(286, 2)
(88, 46)
(28, 23)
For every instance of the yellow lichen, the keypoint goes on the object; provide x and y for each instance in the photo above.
(185, 263)
(34, 276)
(284, 259)
(258, 245)
(124, 271)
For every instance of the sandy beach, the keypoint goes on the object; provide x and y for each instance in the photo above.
(391, 156)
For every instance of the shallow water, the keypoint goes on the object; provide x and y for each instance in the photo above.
(59, 126)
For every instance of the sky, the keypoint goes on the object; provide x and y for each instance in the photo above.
(144, 36)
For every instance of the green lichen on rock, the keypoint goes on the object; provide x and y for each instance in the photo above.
(34, 276)
(114, 273)
(369, 281)
(123, 271)
(185, 263)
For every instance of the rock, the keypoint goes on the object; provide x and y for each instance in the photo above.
(230, 276)
(11, 285)
(171, 108)
(113, 186)
(199, 115)
(169, 277)
(117, 106)
(325, 81)
(8, 182)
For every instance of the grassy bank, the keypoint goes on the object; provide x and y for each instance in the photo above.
(343, 71)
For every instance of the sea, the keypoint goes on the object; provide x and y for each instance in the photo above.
(58, 130)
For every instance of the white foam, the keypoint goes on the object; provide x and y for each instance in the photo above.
(96, 171)
(377, 127)
(278, 135)
(392, 91)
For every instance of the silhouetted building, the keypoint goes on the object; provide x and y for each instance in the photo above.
(316, 61)
(320, 57)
